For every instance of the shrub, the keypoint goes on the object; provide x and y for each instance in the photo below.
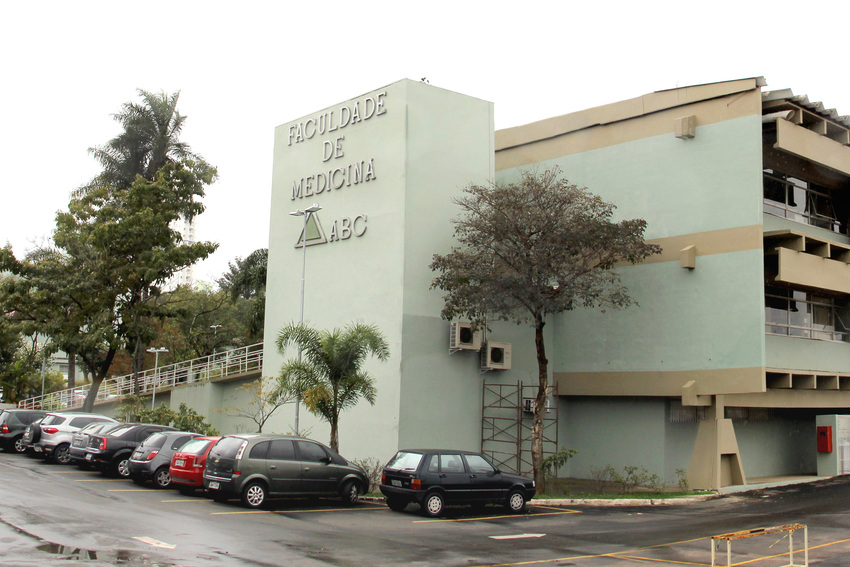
(373, 468)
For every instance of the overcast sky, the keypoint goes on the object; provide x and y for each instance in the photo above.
(245, 67)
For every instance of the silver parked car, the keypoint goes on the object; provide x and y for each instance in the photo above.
(54, 442)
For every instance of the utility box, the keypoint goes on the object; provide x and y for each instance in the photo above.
(824, 438)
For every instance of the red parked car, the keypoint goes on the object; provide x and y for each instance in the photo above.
(187, 464)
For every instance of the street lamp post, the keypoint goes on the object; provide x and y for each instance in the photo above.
(315, 207)
(215, 329)
(156, 352)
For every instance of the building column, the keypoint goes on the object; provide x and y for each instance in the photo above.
(716, 460)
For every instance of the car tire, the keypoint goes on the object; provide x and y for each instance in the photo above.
(350, 493)
(162, 478)
(18, 445)
(434, 504)
(62, 454)
(121, 466)
(254, 495)
(396, 504)
(515, 502)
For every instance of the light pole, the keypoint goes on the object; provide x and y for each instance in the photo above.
(315, 207)
(215, 329)
(156, 352)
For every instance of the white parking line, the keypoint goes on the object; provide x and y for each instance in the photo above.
(517, 536)
(155, 543)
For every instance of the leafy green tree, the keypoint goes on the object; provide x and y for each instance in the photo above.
(531, 249)
(329, 375)
(246, 279)
(149, 141)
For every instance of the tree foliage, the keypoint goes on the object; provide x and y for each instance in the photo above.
(534, 248)
(329, 375)
(246, 280)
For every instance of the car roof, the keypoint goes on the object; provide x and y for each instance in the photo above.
(453, 451)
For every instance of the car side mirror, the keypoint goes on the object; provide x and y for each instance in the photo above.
(496, 471)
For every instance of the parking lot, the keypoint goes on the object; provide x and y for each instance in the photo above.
(52, 513)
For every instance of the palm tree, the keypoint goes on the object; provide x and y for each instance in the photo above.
(149, 141)
(329, 377)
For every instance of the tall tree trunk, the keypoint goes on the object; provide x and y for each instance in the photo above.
(98, 374)
(539, 406)
(72, 369)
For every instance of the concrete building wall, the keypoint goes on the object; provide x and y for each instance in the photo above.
(425, 144)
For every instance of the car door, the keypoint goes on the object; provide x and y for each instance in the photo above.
(485, 483)
(284, 468)
(453, 476)
(318, 475)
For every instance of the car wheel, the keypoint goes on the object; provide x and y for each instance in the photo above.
(396, 505)
(433, 504)
(350, 493)
(162, 478)
(515, 502)
(122, 466)
(19, 445)
(254, 495)
(62, 454)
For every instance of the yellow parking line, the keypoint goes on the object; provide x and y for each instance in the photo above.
(185, 500)
(128, 490)
(103, 480)
(312, 510)
(477, 518)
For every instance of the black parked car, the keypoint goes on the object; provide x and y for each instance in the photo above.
(437, 477)
(13, 423)
(253, 467)
(152, 458)
(110, 452)
(80, 441)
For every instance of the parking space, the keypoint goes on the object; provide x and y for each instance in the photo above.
(85, 509)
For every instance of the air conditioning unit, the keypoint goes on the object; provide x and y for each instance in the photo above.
(463, 337)
(528, 405)
(496, 356)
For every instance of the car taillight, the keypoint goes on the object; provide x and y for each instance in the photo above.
(102, 445)
(416, 484)
(198, 462)
(50, 430)
(5, 428)
(383, 478)
(151, 455)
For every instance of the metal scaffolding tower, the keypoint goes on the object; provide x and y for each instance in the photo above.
(506, 421)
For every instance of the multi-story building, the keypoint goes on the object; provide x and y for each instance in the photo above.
(739, 342)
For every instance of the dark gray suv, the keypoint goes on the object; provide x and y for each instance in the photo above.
(254, 467)
(13, 422)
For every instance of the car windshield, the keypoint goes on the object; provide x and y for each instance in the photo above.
(404, 461)
(119, 431)
(196, 446)
(227, 447)
(52, 420)
(91, 427)
(155, 441)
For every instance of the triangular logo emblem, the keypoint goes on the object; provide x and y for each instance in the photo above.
(314, 233)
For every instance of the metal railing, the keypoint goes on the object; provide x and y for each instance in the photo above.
(236, 362)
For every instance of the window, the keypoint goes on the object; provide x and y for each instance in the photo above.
(791, 198)
(282, 450)
(804, 314)
(260, 450)
(451, 464)
(311, 452)
(479, 465)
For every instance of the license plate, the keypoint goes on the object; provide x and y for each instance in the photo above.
(88, 456)
(214, 485)
(396, 483)
(179, 463)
